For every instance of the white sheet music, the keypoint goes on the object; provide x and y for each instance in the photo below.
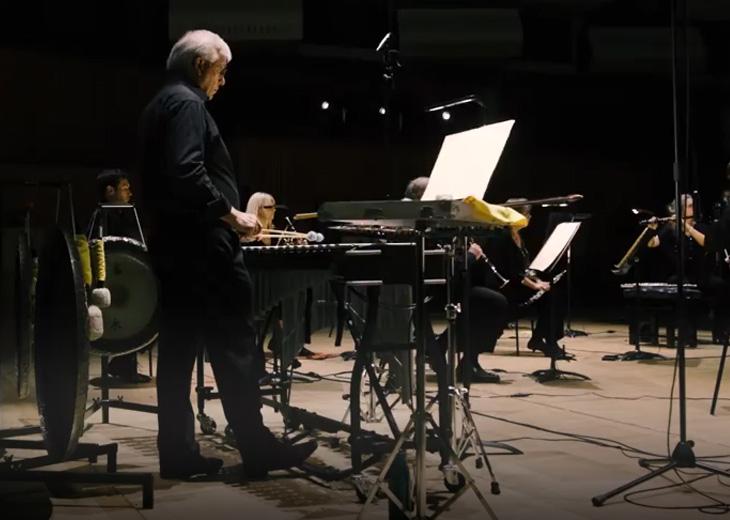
(554, 247)
(467, 161)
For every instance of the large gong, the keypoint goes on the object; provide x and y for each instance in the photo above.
(61, 344)
(130, 323)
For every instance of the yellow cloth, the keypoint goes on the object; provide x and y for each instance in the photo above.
(494, 214)
(82, 245)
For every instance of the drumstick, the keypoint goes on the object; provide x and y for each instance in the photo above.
(281, 233)
(312, 236)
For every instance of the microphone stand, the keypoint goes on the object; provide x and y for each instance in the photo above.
(683, 455)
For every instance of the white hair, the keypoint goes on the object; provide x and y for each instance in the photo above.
(193, 44)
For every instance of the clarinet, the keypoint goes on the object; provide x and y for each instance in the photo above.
(502, 280)
(532, 299)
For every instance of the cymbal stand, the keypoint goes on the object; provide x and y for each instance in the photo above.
(418, 421)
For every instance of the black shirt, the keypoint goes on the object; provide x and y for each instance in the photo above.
(185, 166)
(694, 253)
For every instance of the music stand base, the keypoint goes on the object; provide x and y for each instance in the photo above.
(682, 457)
(640, 355)
(553, 374)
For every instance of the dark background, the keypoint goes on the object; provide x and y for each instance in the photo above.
(588, 82)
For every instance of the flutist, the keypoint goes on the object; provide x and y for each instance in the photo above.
(665, 239)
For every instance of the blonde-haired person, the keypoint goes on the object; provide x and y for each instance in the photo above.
(263, 206)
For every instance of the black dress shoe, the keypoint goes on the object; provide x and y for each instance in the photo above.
(537, 344)
(198, 465)
(273, 455)
(478, 375)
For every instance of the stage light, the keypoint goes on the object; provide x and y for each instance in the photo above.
(445, 115)
(325, 105)
(382, 111)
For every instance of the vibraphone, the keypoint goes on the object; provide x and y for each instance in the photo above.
(657, 303)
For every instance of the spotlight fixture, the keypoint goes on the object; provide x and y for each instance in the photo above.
(382, 111)
(445, 115)
(325, 105)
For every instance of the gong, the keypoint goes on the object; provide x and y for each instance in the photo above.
(61, 347)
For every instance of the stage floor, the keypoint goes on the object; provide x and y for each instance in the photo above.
(578, 440)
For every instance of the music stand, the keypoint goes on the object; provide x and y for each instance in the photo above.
(553, 220)
(557, 244)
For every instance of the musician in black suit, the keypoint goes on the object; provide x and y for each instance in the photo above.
(114, 188)
(508, 273)
(191, 191)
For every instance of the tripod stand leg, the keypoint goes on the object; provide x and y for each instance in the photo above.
(712, 469)
(600, 499)
(720, 370)
(469, 481)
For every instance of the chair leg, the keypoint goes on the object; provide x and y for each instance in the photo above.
(720, 370)
(517, 336)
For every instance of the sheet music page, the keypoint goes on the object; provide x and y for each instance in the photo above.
(555, 246)
(467, 161)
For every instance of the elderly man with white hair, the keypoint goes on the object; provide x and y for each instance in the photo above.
(191, 195)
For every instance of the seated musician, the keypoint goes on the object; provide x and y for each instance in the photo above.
(509, 274)
(114, 189)
(263, 206)
(694, 240)
(487, 307)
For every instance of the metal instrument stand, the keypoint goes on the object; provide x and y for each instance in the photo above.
(459, 395)
(418, 421)
(20, 470)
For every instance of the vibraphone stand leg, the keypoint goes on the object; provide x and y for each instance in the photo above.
(720, 370)
(203, 393)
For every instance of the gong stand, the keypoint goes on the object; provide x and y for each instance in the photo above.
(62, 370)
(104, 403)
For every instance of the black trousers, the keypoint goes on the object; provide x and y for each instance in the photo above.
(206, 301)
(488, 311)
(550, 308)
